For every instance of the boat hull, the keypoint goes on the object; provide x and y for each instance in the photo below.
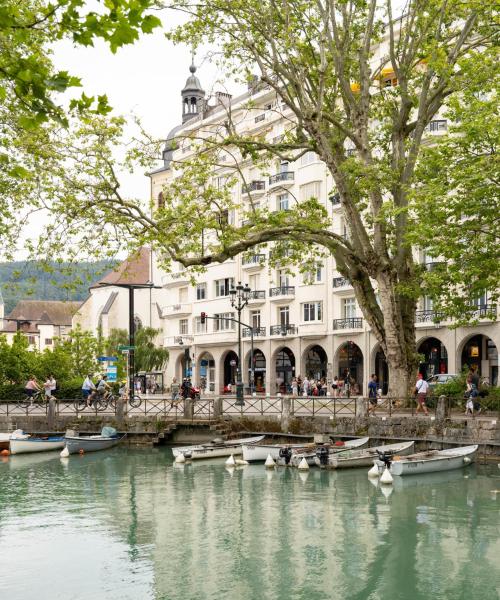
(35, 445)
(215, 450)
(443, 460)
(94, 443)
(259, 452)
(311, 456)
(365, 458)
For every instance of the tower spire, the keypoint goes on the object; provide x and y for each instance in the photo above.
(193, 95)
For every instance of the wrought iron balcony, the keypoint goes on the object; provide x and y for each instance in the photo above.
(253, 260)
(427, 316)
(257, 295)
(351, 323)
(253, 186)
(283, 329)
(340, 282)
(485, 311)
(281, 177)
(257, 331)
(286, 290)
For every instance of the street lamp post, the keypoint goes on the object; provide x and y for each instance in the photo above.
(239, 299)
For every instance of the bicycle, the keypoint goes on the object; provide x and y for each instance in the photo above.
(96, 403)
(36, 399)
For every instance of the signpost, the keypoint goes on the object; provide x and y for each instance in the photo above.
(107, 358)
(127, 348)
(112, 372)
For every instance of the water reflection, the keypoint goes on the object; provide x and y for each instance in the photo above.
(153, 529)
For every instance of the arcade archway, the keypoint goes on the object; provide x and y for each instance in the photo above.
(316, 363)
(434, 357)
(230, 369)
(285, 370)
(206, 372)
(259, 363)
(481, 354)
(381, 370)
(350, 363)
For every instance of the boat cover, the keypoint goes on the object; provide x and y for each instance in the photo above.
(108, 431)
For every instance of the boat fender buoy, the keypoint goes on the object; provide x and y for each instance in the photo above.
(230, 462)
(467, 460)
(64, 452)
(386, 477)
(373, 472)
(180, 458)
(5, 452)
(240, 461)
(81, 452)
(269, 464)
(303, 466)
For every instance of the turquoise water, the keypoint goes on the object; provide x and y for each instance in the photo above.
(128, 524)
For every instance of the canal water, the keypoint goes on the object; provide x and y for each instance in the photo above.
(128, 524)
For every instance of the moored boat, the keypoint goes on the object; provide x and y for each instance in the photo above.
(259, 452)
(310, 453)
(92, 443)
(35, 444)
(434, 461)
(5, 438)
(215, 448)
(365, 457)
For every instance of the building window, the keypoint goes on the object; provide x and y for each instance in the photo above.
(183, 327)
(222, 322)
(255, 319)
(161, 200)
(201, 291)
(308, 158)
(314, 276)
(310, 190)
(438, 125)
(349, 308)
(312, 311)
(428, 303)
(183, 295)
(283, 201)
(32, 340)
(48, 341)
(283, 278)
(222, 286)
(284, 315)
(253, 282)
(284, 167)
(200, 327)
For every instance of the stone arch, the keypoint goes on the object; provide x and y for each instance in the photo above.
(227, 370)
(315, 362)
(349, 359)
(434, 356)
(205, 372)
(478, 351)
(283, 364)
(260, 369)
(378, 367)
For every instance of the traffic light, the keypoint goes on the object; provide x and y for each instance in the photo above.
(203, 317)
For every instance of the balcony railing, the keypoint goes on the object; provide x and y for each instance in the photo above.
(281, 177)
(351, 323)
(257, 295)
(253, 186)
(283, 329)
(257, 331)
(177, 309)
(253, 259)
(427, 316)
(339, 282)
(287, 290)
(486, 310)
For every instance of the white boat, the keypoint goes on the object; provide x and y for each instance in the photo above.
(5, 438)
(91, 443)
(310, 454)
(34, 444)
(365, 457)
(434, 460)
(215, 448)
(259, 452)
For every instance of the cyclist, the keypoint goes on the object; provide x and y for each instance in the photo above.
(103, 387)
(32, 387)
(50, 386)
(88, 389)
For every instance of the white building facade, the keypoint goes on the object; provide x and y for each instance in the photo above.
(303, 325)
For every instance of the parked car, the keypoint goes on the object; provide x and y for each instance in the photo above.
(439, 379)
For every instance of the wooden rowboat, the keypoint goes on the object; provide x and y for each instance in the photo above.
(216, 448)
(365, 457)
(434, 460)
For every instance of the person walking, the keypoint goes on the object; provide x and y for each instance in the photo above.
(174, 389)
(421, 389)
(335, 387)
(49, 387)
(372, 395)
(306, 386)
(295, 387)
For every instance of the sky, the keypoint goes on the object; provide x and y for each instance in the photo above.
(144, 79)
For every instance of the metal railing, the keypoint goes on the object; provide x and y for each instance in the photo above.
(257, 295)
(280, 177)
(257, 331)
(427, 316)
(340, 282)
(286, 290)
(351, 323)
(253, 259)
(253, 186)
(282, 329)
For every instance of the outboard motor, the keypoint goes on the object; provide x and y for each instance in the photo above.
(286, 455)
(385, 459)
(322, 453)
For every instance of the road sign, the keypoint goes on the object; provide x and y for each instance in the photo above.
(112, 373)
(126, 348)
(107, 358)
